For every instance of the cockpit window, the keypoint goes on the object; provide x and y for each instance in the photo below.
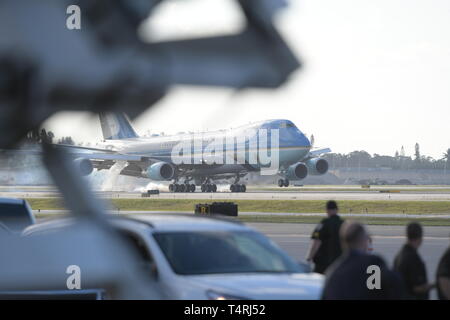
(286, 125)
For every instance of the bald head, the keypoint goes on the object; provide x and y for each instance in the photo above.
(354, 236)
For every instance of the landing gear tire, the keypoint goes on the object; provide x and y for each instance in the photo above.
(286, 183)
(283, 183)
(238, 188)
(185, 187)
(209, 187)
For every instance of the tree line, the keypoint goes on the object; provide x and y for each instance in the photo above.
(37, 136)
(364, 159)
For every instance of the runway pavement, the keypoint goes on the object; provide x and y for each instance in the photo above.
(297, 195)
(283, 194)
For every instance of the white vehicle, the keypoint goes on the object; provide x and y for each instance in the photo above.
(193, 257)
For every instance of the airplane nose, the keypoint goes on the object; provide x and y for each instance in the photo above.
(305, 141)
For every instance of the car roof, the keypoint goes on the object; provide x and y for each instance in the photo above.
(157, 222)
(12, 201)
(172, 222)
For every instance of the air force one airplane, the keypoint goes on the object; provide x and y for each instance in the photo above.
(236, 152)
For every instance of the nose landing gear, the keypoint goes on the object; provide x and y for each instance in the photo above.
(283, 183)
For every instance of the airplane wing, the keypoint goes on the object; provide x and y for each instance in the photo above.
(107, 156)
(104, 159)
(83, 152)
(318, 152)
(101, 159)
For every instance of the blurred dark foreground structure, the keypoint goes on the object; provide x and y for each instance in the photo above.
(46, 68)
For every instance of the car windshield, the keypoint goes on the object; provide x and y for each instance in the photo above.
(192, 253)
(15, 216)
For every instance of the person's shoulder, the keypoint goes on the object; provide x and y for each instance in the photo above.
(407, 259)
(447, 253)
(406, 250)
(331, 219)
(410, 253)
(373, 259)
(443, 269)
(445, 257)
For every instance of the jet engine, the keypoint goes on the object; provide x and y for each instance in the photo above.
(297, 171)
(160, 171)
(84, 165)
(317, 166)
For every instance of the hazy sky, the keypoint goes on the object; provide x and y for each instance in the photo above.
(376, 76)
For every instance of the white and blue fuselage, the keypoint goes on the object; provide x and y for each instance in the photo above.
(271, 147)
(293, 146)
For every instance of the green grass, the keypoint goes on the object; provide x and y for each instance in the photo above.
(281, 206)
(46, 203)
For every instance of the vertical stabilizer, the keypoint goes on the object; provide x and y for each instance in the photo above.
(116, 126)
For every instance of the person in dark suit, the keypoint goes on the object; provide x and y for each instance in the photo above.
(443, 276)
(358, 275)
(325, 246)
(410, 265)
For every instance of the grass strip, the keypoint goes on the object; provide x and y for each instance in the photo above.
(276, 206)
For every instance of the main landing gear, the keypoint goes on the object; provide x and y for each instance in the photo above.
(235, 187)
(208, 187)
(283, 183)
(183, 187)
